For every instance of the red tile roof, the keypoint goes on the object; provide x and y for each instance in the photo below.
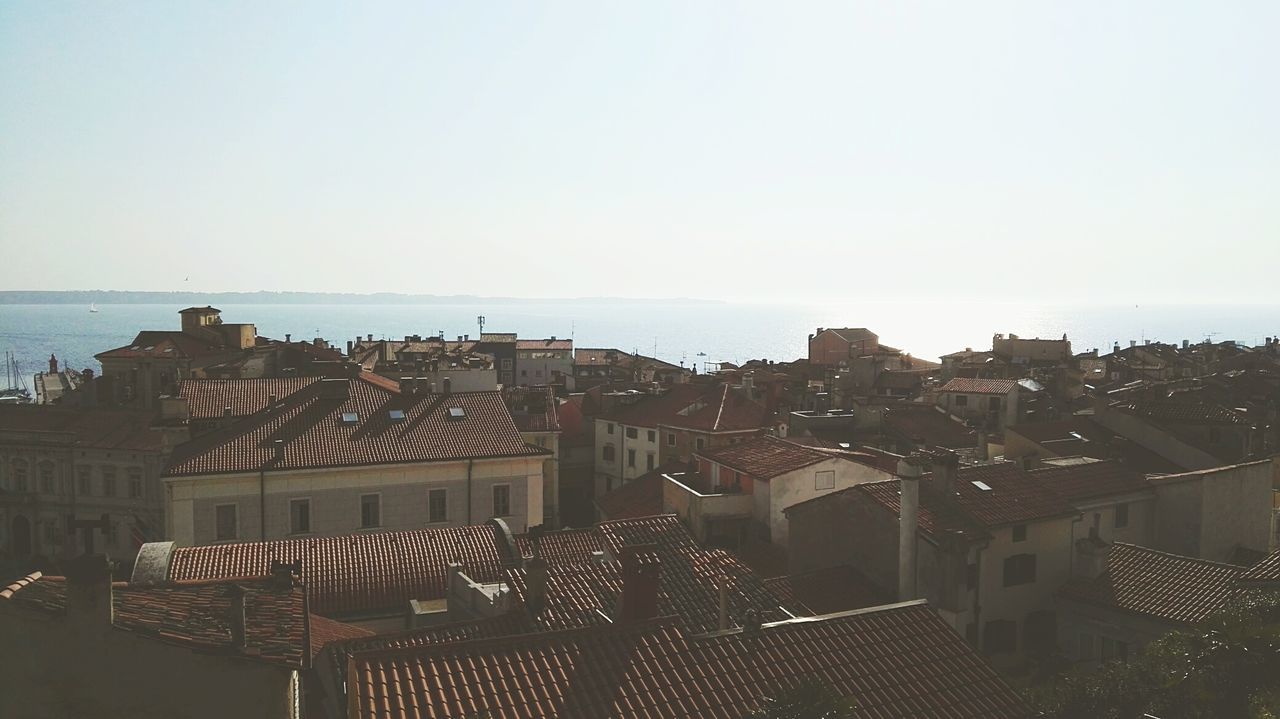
(1196, 412)
(934, 518)
(966, 385)
(641, 497)
(1015, 497)
(163, 344)
(533, 409)
(564, 546)
(895, 661)
(315, 435)
(1164, 586)
(192, 614)
(546, 344)
(377, 572)
(664, 530)
(724, 410)
(824, 591)
(1093, 479)
(324, 631)
(1265, 572)
(925, 425)
(650, 410)
(89, 428)
(764, 457)
(209, 398)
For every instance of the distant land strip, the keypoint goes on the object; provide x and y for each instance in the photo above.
(119, 297)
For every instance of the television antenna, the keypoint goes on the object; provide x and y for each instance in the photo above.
(480, 321)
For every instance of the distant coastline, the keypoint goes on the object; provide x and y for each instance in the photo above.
(121, 297)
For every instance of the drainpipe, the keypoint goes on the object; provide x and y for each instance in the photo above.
(977, 598)
(262, 501)
(470, 462)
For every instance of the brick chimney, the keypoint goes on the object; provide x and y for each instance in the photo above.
(639, 600)
(946, 464)
(535, 584)
(909, 471)
(89, 604)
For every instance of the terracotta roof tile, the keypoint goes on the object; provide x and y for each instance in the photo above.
(967, 385)
(1092, 479)
(640, 497)
(324, 631)
(544, 344)
(192, 614)
(724, 410)
(315, 433)
(164, 344)
(1167, 411)
(1164, 586)
(1266, 572)
(764, 457)
(901, 660)
(209, 398)
(375, 572)
(927, 426)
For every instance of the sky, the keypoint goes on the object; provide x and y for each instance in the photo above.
(1026, 151)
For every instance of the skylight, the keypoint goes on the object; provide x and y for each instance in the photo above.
(981, 485)
(350, 417)
(457, 413)
(397, 415)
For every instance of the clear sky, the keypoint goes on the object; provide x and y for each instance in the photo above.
(1050, 151)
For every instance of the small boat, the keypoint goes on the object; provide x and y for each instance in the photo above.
(93, 307)
(16, 388)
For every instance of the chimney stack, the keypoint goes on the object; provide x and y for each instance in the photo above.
(535, 584)
(350, 347)
(909, 472)
(639, 600)
(89, 604)
(279, 448)
(446, 386)
(235, 615)
(1092, 554)
(945, 466)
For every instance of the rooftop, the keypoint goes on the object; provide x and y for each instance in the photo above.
(209, 398)
(900, 660)
(1159, 585)
(823, 591)
(192, 614)
(85, 427)
(314, 428)
(968, 385)
(764, 457)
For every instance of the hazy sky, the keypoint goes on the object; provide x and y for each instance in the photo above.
(1054, 151)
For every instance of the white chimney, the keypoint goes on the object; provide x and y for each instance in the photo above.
(909, 471)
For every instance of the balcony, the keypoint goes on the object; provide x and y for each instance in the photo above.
(714, 517)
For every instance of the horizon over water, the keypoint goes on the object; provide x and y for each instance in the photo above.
(730, 331)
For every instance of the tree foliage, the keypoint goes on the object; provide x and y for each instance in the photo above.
(1227, 666)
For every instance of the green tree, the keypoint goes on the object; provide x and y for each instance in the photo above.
(1227, 666)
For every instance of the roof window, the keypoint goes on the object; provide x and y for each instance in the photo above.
(457, 413)
(396, 415)
(981, 485)
(350, 417)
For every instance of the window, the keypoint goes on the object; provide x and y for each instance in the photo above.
(608, 427)
(46, 477)
(1019, 569)
(671, 439)
(299, 516)
(962, 400)
(1122, 515)
(19, 476)
(51, 533)
(84, 483)
(700, 443)
(438, 505)
(135, 483)
(506, 364)
(631, 458)
(649, 461)
(632, 433)
(537, 373)
(606, 453)
(501, 500)
(825, 480)
(108, 481)
(653, 436)
(370, 510)
(993, 403)
(1019, 532)
(225, 524)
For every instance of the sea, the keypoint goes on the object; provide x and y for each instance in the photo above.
(695, 333)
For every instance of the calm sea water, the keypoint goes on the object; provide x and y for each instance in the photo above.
(679, 332)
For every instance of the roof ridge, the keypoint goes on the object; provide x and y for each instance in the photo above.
(1171, 555)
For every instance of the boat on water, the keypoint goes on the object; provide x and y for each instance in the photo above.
(15, 391)
(93, 307)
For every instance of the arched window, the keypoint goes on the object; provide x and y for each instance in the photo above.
(46, 470)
